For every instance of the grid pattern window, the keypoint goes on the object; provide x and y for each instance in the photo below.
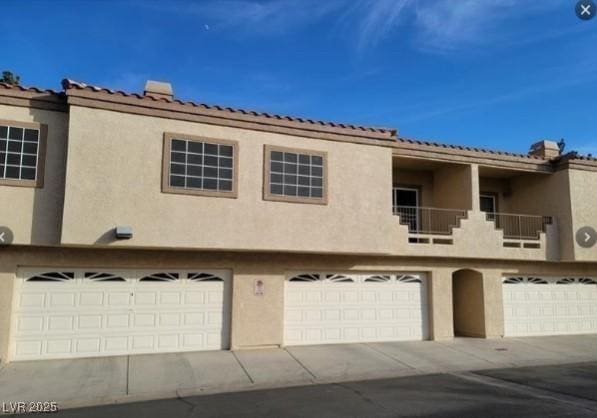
(19, 153)
(296, 175)
(201, 165)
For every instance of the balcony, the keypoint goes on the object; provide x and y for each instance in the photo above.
(424, 223)
(430, 198)
(481, 212)
(518, 228)
(514, 201)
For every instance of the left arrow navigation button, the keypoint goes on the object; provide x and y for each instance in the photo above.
(6, 236)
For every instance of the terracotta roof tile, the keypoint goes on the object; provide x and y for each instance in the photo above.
(465, 148)
(30, 89)
(573, 155)
(72, 84)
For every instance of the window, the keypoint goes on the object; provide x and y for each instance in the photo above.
(377, 279)
(54, 276)
(160, 277)
(201, 166)
(338, 278)
(204, 277)
(305, 278)
(22, 147)
(103, 277)
(295, 175)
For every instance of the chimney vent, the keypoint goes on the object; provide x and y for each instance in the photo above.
(158, 90)
(545, 149)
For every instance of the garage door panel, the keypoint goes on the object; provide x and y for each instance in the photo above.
(119, 298)
(170, 298)
(30, 323)
(144, 320)
(116, 344)
(32, 300)
(367, 308)
(314, 297)
(169, 319)
(194, 318)
(121, 320)
(168, 342)
(215, 297)
(60, 346)
(145, 298)
(193, 297)
(61, 323)
(91, 299)
(113, 313)
(143, 342)
(192, 340)
(549, 306)
(29, 348)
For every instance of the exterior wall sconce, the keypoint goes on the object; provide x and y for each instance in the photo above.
(123, 232)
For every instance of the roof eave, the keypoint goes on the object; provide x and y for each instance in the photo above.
(121, 101)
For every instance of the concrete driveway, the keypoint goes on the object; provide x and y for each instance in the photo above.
(568, 390)
(105, 380)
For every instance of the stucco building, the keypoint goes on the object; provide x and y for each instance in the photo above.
(139, 223)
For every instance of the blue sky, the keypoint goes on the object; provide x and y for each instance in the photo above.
(491, 73)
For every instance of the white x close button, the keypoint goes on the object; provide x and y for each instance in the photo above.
(586, 9)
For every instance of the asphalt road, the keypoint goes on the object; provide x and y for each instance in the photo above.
(552, 391)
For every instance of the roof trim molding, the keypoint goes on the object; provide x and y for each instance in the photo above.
(460, 148)
(199, 118)
(108, 98)
(574, 161)
(468, 156)
(81, 94)
(32, 97)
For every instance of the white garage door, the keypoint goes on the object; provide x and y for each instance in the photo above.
(340, 308)
(549, 305)
(93, 312)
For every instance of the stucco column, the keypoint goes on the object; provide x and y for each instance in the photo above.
(475, 188)
(257, 307)
(7, 278)
(441, 323)
(493, 304)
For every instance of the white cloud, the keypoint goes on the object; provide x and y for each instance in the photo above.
(449, 24)
(446, 24)
(440, 25)
(255, 17)
(374, 20)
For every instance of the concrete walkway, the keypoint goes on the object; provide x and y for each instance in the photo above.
(104, 380)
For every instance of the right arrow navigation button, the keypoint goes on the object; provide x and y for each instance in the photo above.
(586, 237)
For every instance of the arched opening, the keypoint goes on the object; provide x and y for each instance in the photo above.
(468, 303)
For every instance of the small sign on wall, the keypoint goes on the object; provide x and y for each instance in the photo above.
(259, 287)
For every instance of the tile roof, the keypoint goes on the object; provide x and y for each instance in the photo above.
(391, 132)
(466, 148)
(72, 84)
(30, 89)
(573, 155)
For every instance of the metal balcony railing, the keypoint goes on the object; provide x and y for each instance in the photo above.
(520, 227)
(432, 221)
